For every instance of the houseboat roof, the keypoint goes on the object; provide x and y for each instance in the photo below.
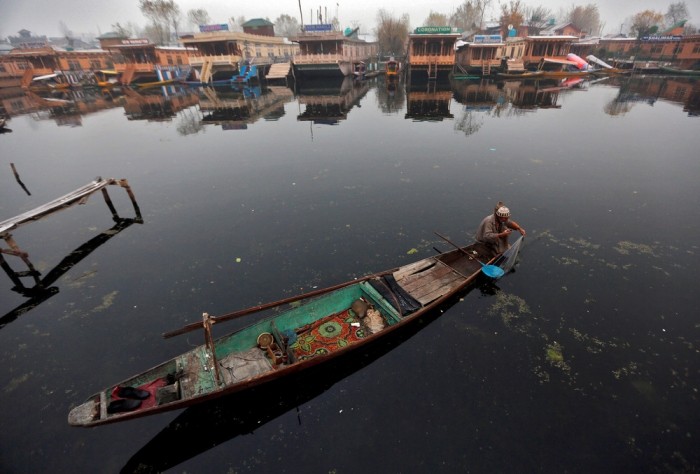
(257, 22)
(326, 36)
(213, 36)
(552, 38)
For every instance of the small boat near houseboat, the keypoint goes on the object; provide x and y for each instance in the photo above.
(520, 75)
(573, 66)
(392, 68)
(303, 331)
(679, 72)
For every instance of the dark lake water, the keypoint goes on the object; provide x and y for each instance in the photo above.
(586, 359)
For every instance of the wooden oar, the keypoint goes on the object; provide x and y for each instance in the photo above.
(454, 245)
(255, 309)
(492, 271)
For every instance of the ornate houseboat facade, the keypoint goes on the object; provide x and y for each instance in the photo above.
(217, 54)
(327, 53)
(431, 53)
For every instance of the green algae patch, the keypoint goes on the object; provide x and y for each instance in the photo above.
(554, 353)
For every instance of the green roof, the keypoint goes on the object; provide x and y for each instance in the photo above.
(255, 22)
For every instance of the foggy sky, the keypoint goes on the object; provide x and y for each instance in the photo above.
(43, 17)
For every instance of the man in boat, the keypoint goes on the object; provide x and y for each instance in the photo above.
(495, 229)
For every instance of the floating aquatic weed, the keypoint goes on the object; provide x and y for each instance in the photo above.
(510, 308)
(630, 369)
(626, 247)
(81, 280)
(584, 243)
(567, 261)
(16, 382)
(554, 353)
(593, 344)
(107, 301)
(555, 357)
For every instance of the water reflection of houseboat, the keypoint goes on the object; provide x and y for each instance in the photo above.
(477, 95)
(428, 103)
(431, 54)
(531, 95)
(235, 109)
(329, 102)
(159, 104)
(327, 53)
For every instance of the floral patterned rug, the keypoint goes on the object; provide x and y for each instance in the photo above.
(329, 334)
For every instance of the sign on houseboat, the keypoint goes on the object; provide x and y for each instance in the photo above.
(321, 27)
(208, 28)
(488, 39)
(433, 30)
(662, 38)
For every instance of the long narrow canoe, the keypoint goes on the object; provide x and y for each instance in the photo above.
(680, 72)
(303, 331)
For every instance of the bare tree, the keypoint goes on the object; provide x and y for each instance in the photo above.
(586, 19)
(677, 12)
(436, 19)
(391, 32)
(646, 23)
(512, 14)
(236, 23)
(67, 33)
(287, 26)
(537, 18)
(163, 14)
(467, 16)
(125, 31)
(198, 16)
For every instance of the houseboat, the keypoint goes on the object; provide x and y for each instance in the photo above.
(431, 53)
(554, 48)
(327, 53)
(217, 55)
(138, 61)
(482, 56)
(47, 67)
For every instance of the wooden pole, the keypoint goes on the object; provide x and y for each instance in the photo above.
(209, 344)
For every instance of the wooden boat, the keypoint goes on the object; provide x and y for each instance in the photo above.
(314, 328)
(392, 68)
(521, 75)
(144, 85)
(680, 72)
